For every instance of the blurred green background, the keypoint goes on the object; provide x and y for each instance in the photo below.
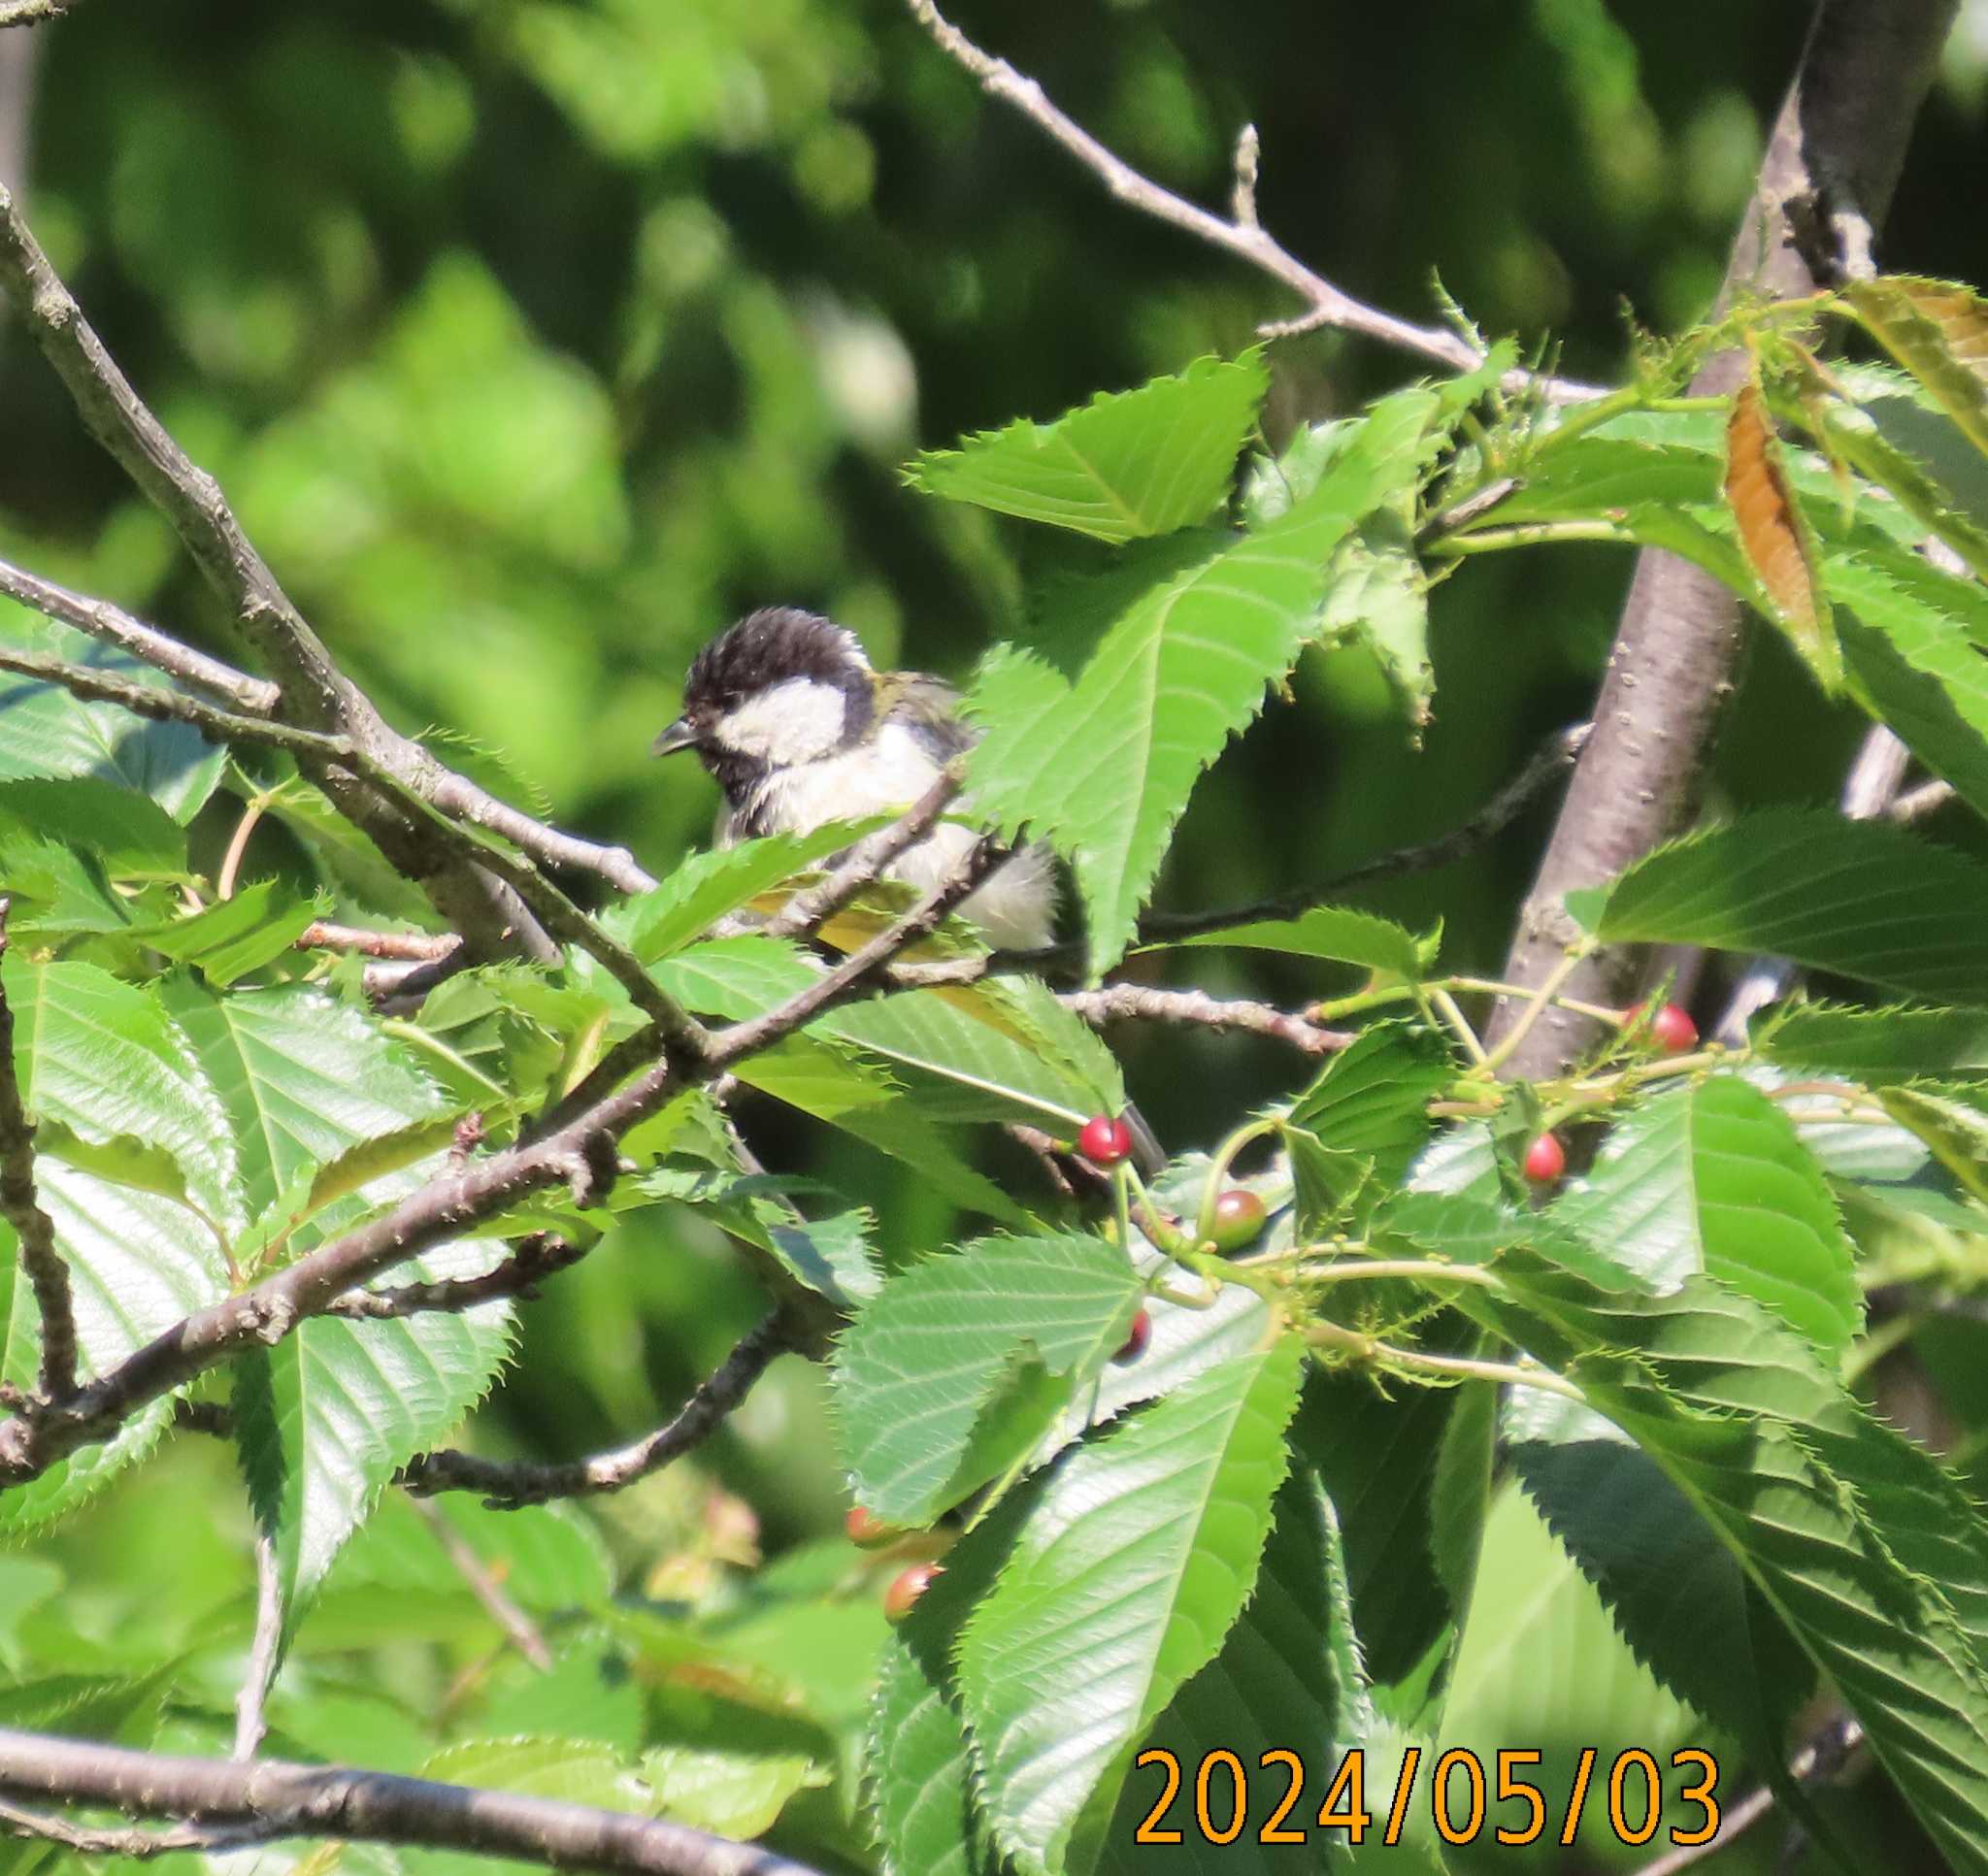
(536, 339)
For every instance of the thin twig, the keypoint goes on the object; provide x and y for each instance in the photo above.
(1122, 1002)
(256, 696)
(861, 967)
(1325, 304)
(274, 1798)
(260, 1674)
(519, 1629)
(34, 1229)
(536, 1258)
(509, 1484)
(1548, 764)
(408, 947)
(136, 1842)
(809, 910)
(1820, 1758)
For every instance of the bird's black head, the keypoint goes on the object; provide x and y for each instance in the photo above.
(780, 687)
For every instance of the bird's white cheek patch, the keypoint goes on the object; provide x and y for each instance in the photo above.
(796, 721)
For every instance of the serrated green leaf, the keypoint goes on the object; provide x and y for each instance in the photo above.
(325, 1416)
(236, 936)
(1378, 595)
(1863, 898)
(1287, 1679)
(1158, 663)
(916, 1372)
(1954, 1128)
(1356, 1130)
(49, 733)
(705, 888)
(831, 1255)
(57, 893)
(1130, 1568)
(1866, 1549)
(1125, 464)
(1365, 939)
(548, 1557)
(1938, 330)
(1713, 1177)
(1915, 645)
(1896, 1043)
(105, 1059)
(130, 833)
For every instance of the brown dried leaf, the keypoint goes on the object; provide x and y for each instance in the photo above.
(1774, 537)
(1938, 330)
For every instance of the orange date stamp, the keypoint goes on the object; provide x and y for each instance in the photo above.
(1219, 1799)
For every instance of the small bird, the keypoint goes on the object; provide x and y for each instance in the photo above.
(798, 730)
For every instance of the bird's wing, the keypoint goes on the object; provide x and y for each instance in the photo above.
(931, 708)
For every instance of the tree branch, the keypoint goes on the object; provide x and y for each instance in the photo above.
(510, 1484)
(406, 947)
(32, 13)
(34, 1229)
(1827, 176)
(1243, 235)
(536, 1258)
(137, 1842)
(256, 696)
(273, 1799)
(1119, 1002)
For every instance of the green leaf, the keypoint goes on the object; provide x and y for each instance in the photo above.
(1125, 464)
(1915, 644)
(1896, 1043)
(1956, 1131)
(1863, 898)
(1938, 330)
(830, 1254)
(236, 936)
(1376, 593)
(577, 1770)
(325, 1416)
(1356, 1130)
(998, 1050)
(1868, 1551)
(708, 886)
(1365, 939)
(51, 733)
(934, 1356)
(105, 1060)
(1288, 1678)
(549, 1556)
(133, 836)
(1128, 1571)
(1157, 664)
(1713, 1177)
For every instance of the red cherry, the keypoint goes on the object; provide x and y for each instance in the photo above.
(1137, 1338)
(1105, 1141)
(868, 1531)
(1545, 1160)
(907, 1587)
(1676, 1033)
(1671, 1029)
(1238, 1220)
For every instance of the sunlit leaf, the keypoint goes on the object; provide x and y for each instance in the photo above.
(1774, 535)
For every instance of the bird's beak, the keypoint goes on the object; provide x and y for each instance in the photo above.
(680, 735)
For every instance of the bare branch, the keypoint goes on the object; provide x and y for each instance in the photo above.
(1243, 235)
(1826, 180)
(536, 1258)
(256, 696)
(1552, 760)
(274, 1798)
(34, 1229)
(519, 1627)
(462, 800)
(407, 948)
(1121, 1002)
(510, 1484)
